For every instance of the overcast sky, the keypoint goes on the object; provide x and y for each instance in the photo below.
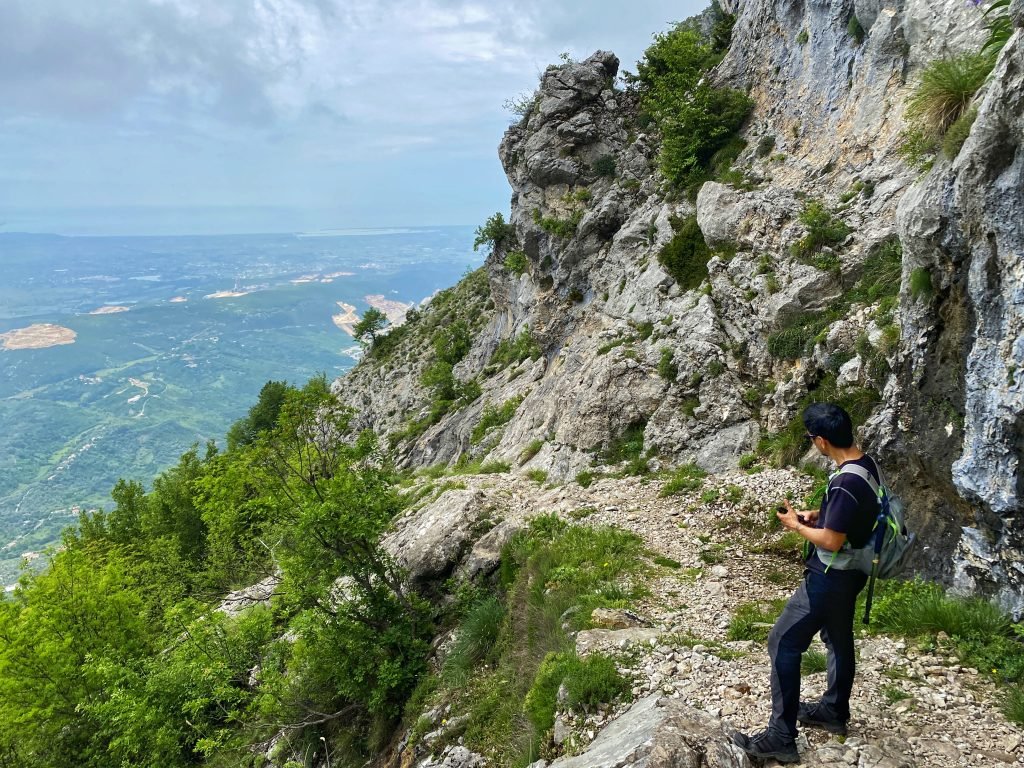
(277, 115)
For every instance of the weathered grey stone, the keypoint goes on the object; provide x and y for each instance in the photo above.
(431, 542)
(720, 209)
(237, 602)
(485, 556)
(660, 733)
(590, 640)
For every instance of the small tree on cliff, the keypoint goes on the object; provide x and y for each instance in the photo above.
(369, 326)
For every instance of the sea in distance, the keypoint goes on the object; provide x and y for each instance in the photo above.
(117, 354)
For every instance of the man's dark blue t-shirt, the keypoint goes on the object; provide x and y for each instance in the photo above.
(849, 507)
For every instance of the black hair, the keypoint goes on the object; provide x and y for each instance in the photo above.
(831, 422)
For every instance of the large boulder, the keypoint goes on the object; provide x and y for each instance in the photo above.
(429, 543)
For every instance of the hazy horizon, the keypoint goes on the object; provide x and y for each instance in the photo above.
(182, 117)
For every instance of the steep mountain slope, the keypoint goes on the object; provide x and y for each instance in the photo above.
(611, 346)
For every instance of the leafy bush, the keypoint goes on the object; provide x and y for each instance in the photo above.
(516, 350)
(945, 90)
(803, 37)
(516, 262)
(822, 229)
(585, 478)
(695, 118)
(604, 166)
(958, 133)
(594, 680)
(667, 368)
(855, 30)
(494, 233)
(685, 256)
(564, 228)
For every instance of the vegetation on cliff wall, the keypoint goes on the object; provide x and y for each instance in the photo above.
(695, 118)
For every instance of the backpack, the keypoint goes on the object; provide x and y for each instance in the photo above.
(890, 545)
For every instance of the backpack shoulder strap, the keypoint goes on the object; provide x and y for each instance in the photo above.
(863, 474)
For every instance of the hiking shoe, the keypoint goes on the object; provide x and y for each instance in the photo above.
(817, 716)
(768, 744)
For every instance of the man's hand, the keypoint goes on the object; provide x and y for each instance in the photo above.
(789, 517)
(802, 522)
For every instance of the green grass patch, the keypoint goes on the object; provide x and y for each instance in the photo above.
(516, 350)
(495, 416)
(945, 91)
(667, 562)
(812, 662)
(537, 475)
(921, 286)
(980, 633)
(688, 477)
(530, 451)
(893, 694)
(475, 642)
(516, 262)
(753, 621)
(546, 570)
(823, 229)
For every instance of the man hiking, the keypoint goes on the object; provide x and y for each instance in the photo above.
(826, 599)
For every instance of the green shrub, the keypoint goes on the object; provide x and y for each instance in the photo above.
(666, 366)
(748, 460)
(695, 117)
(585, 478)
(604, 166)
(803, 37)
(945, 90)
(685, 256)
(564, 228)
(958, 133)
(516, 262)
(855, 30)
(494, 233)
(822, 229)
(688, 477)
(516, 350)
(667, 562)
(593, 681)
(918, 147)
(765, 145)
(921, 284)
(495, 416)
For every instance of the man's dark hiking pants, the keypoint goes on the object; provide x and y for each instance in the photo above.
(824, 603)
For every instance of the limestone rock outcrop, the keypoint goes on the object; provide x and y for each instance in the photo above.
(621, 351)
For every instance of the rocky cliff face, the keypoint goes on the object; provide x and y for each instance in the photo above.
(625, 350)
